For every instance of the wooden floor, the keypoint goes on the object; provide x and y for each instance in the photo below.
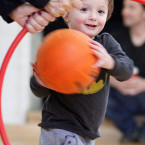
(28, 134)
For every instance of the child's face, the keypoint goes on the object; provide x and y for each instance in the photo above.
(90, 19)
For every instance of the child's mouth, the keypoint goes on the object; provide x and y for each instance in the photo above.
(91, 26)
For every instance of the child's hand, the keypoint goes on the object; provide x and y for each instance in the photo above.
(36, 76)
(104, 59)
(37, 21)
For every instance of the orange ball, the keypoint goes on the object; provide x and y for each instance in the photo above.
(65, 61)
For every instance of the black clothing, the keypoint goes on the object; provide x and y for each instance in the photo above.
(57, 24)
(38, 3)
(134, 52)
(7, 6)
(83, 113)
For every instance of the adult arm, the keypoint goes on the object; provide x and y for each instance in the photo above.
(7, 6)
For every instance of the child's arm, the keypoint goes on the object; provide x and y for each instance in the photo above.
(121, 67)
(38, 90)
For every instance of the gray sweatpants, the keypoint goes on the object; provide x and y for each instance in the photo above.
(62, 137)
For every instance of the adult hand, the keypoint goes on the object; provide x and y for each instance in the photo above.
(37, 21)
(59, 7)
(130, 87)
(122, 87)
(136, 86)
(30, 16)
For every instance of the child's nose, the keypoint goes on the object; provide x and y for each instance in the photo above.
(93, 16)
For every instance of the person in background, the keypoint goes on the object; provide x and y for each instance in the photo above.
(127, 99)
(18, 11)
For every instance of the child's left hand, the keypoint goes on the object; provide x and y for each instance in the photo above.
(37, 77)
(104, 59)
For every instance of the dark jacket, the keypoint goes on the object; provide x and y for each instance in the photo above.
(83, 113)
(6, 6)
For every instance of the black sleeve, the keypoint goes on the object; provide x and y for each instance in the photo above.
(123, 68)
(37, 89)
(7, 6)
(38, 3)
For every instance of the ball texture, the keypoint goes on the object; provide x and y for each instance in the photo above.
(65, 61)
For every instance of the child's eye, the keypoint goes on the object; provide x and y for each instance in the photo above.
(84, 9)
(101, 12)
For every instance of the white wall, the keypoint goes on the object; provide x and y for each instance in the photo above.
(16, 97)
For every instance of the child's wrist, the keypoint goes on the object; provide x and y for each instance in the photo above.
(112, 64)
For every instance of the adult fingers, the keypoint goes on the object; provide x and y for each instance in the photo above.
(66, 4)
(52, 10)
(33, 26)
(76, 4)
(30, 28)
(47, 16)
(40, 20)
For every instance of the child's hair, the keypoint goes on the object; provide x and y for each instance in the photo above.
(110, 8)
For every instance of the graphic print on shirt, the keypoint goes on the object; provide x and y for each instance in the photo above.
(96, 86)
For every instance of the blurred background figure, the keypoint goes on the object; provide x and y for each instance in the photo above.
(115, 23)
(127, 99)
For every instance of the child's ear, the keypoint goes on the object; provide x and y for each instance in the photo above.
(66, 17)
